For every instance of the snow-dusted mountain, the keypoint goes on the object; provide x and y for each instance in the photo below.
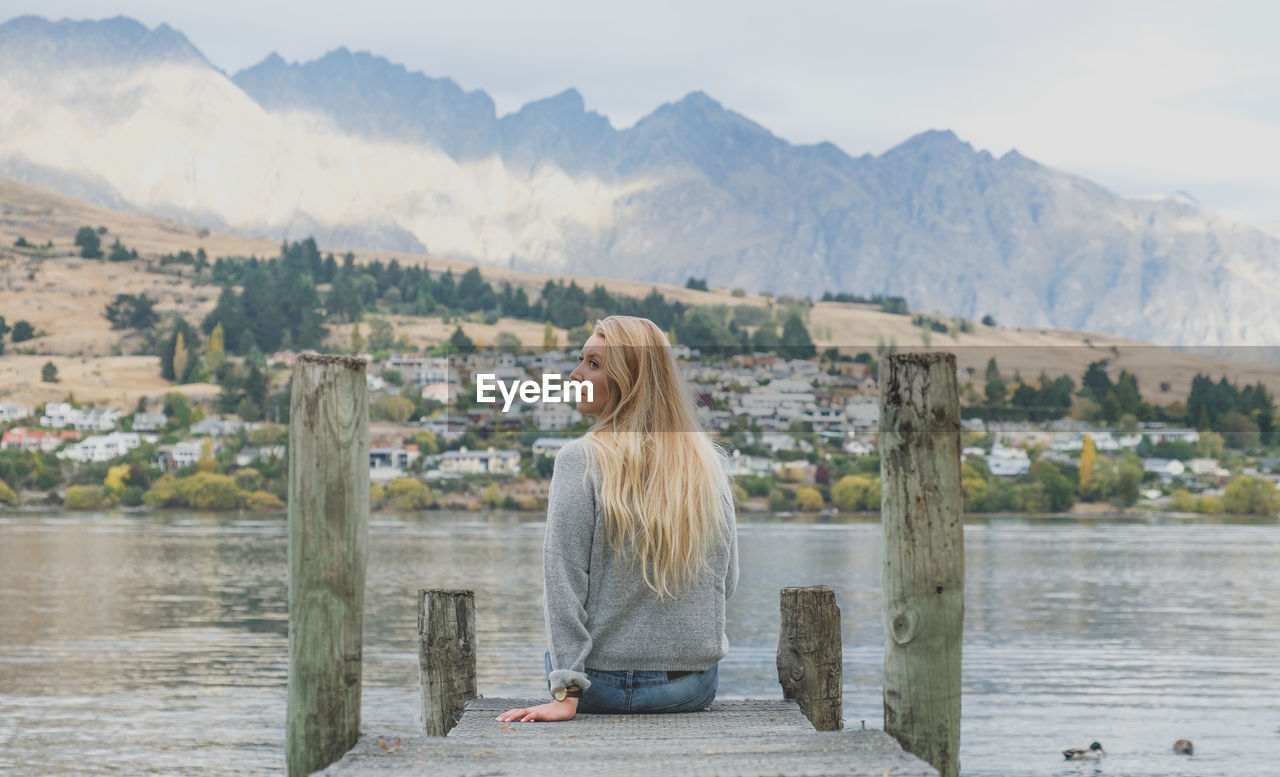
(361, 152)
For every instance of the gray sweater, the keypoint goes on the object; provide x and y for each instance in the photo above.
(600, 613)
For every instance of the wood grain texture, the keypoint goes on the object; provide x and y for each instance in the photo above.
(810, 664)
(328, 541)
(446, 657)
(923, 568)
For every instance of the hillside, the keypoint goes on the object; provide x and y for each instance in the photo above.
(63, 296)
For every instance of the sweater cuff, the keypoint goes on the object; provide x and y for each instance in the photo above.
(563, 678)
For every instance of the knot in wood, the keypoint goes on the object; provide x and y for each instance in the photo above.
(903, 625)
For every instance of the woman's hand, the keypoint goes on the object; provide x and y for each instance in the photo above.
(554, 710)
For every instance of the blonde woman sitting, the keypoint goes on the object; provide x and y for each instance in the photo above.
(641, 550)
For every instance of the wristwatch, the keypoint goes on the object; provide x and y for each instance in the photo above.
(572, 692)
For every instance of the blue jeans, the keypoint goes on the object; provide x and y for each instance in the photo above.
(624, 692)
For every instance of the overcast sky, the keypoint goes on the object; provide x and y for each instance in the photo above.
(1142, 97)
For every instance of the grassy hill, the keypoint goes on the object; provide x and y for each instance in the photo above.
(63, 296)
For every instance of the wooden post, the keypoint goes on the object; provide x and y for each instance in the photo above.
(810, 665)
(923, 570)
(328, 541)
(446, 657)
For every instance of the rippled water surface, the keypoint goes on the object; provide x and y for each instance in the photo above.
(157, 644)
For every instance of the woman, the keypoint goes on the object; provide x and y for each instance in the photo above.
(641, 550)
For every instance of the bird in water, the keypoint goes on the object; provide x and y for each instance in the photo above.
(1183, 746)
(1094, 752)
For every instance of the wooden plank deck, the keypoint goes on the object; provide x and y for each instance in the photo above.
(733, 739)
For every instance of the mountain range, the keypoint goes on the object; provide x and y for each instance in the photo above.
(363, 153)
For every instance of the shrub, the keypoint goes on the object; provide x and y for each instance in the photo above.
(87, 498)
(163, 493)
(209, 491)
(808, 499)
(1183, 501)
(7, 494)
(857, 492)
(409, 494)
(262, 501)
(1251, 495)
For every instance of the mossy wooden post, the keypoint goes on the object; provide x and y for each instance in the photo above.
(923, 570)
(810, 665)
(328, 540)
(446, 657)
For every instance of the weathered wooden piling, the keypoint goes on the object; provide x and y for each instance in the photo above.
(446, 657)
(810, 665)
(328, 540)
(923, 569)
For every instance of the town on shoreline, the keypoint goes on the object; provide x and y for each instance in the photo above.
(799, 436)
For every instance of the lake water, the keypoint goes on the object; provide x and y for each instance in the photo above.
(158, 644)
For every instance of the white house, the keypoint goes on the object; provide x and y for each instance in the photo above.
(862, 416)
(1165, 468)
(12, 411)
(745, 464)
(215, 427)
(859, 447)
(1007, 462)
(555, 418)
(59, 415)
(149, 422)
(1158, 435)
(179, 455)
(102, 447)
(486, 462)
(549, 446)
(1208, 467)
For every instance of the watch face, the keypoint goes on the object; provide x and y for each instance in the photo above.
(561, 693)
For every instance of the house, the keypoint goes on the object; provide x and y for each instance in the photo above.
(149, 422)
(215, 427)
(179, 455)
(862, 416)
(59, 415)
(823, 419)
(486, 462)
(246, 455)
(438, 392)
(1007, 462)
(1167, 469)
(549, 446)
(745, 464)
(555, 418)
(1209, 468)
(18, 438)
(1158, 434)
(12, 411)
(388, 462)
(859, 447)
(102, 447)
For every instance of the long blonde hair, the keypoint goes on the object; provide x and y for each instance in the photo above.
(662, 480)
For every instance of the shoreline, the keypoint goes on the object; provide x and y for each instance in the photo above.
(1132, 515)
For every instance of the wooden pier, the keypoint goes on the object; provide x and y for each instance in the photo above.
(734, 739)
(923, 580)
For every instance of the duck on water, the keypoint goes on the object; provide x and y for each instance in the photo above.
(1094, 752)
